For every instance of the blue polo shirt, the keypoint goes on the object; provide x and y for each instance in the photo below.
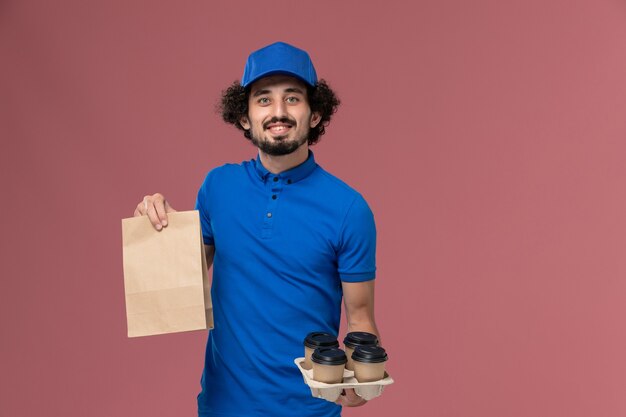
(283, 245)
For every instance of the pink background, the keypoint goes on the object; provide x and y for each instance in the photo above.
(489, 138)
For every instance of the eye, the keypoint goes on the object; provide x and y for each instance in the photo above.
(292, 99)
(263, 100)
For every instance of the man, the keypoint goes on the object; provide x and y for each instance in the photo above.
(286, 241)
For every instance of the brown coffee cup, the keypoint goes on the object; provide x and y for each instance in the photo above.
(316, 340)
(354, 339)
(328, 365)
(369, 363)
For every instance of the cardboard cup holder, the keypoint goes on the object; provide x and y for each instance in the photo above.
(331, 392)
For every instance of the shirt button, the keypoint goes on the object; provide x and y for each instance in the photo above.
(274, 197)
(275, 179)
(269, 214)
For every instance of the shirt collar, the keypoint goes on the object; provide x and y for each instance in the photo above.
(292, 175)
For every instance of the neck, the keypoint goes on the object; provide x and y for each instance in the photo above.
(278, 164)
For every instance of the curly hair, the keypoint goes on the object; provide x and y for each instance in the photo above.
(234, 105)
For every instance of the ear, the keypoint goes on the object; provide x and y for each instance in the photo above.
(244, 122)
(316, 117)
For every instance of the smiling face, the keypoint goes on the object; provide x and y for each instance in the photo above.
(279, 116)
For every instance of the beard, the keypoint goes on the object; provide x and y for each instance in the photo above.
(279, 145)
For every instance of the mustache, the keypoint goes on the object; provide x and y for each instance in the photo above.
(284, 120)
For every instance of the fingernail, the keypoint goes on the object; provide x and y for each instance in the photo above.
(159, 227)
(164, 222)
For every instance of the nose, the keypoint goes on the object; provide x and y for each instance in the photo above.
(279, 109)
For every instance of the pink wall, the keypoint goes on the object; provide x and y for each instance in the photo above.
(489, 138)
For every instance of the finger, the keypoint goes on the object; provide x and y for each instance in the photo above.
(350, 399)
(338, 400)
(345, 402)
(160, 211)
(152, 214)
(142, 207)
(140, 210)
(342, 398)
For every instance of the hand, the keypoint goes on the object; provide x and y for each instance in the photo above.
(349, 398)
(156, 207)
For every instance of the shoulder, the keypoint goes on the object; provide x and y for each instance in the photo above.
(229, 169)
(226, 172)
(333, 184)
(338, 189)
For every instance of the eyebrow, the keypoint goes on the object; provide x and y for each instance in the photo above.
(287, 90)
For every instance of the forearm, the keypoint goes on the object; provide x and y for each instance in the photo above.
(358, 298)
(363, 325)
(359, 303)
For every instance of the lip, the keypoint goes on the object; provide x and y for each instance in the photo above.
(278, 128)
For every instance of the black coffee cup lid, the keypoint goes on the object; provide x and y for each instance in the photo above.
(320, 339)
(329, 356)
(369, 354)
(354, 339)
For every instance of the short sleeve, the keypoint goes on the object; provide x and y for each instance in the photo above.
(203, 203)
(356, 257)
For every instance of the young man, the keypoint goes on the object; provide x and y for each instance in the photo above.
(286, 240)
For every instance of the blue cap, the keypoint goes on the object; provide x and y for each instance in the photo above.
(279, 58)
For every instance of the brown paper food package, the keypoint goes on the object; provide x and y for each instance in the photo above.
(165, 276)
